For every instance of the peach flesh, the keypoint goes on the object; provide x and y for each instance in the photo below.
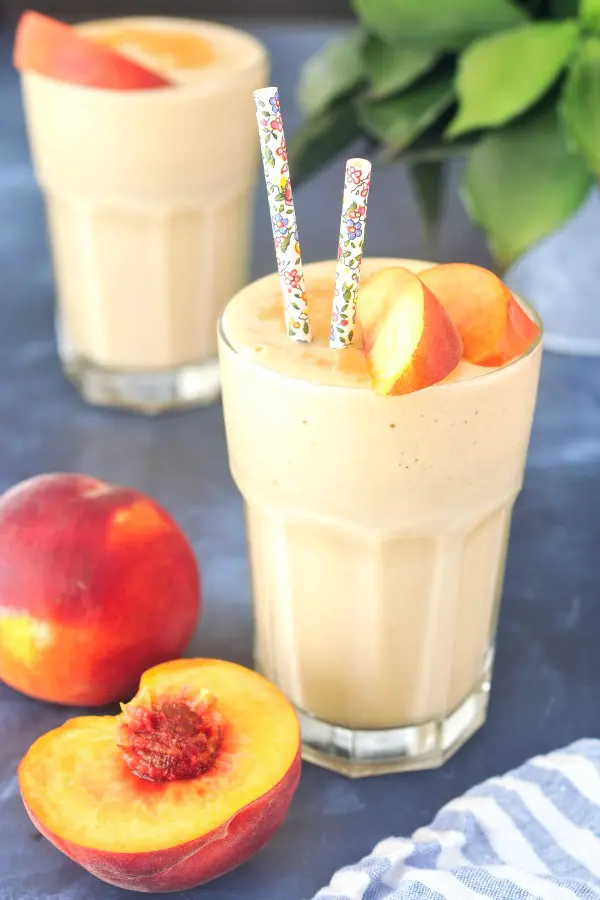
(48, 47)
(493, 327)
(476, 301)
(98, 583)
(192, 864)
(408, 337)
(81, 794)
(519, 334)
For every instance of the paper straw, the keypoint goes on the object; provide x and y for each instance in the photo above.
(283, 214)
(357, 180)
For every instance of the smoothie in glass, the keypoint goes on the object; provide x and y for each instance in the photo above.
(149, 197)
(377, 529)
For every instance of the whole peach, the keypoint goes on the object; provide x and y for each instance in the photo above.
(97, 583)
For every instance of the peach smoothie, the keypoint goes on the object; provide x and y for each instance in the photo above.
(377, 528)
(149, 195)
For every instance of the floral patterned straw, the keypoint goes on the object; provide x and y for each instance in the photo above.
(283, 214)
(357, 180)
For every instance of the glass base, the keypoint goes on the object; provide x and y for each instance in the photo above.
(147, 392)
(358, 754)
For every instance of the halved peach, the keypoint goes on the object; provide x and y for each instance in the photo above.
(493, 326)
(407, 335)
(190, 781)
(48, 47)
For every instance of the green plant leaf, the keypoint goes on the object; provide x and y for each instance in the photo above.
(564, 9)
(523, 182)
(330, 73)
(430, 146)
(428, 184)
(533, 7)
(580, 103)
(502, 76)
(320, 139)
(391, 68)
(396, 122)
(449, 25)
(589, 13)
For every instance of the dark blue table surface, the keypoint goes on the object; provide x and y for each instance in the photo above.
(547, 678)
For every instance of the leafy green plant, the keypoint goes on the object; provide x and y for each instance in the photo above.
(511, 85)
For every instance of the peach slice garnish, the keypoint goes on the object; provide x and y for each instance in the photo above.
(493, 326)
(175, 49)
(519, 334)
(192, 779)
(407, 335)
(48, 47)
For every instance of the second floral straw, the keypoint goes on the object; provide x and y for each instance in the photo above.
(357, 180)
(283, 215)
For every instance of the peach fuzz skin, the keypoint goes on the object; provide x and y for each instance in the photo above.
(48, 47)
(98, 583)
(261, 744)
(408, 338)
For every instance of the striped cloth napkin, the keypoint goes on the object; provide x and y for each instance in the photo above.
(533, 833)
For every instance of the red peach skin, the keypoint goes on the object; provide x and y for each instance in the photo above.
(188, 865)
(98, 583)
(408, 337)
(48, 47)
(519, 335)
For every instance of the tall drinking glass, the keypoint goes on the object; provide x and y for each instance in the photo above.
(377, 533)
(149, 197)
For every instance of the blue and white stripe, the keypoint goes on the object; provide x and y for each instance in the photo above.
(533, 834)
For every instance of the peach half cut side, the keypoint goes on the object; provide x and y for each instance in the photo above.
(190, 781)
(409, 339)
(48, 47)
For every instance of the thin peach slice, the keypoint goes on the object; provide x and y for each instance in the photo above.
(408, 337)
(191, 779)
(48, 47)
(519, 335)
(477, 302)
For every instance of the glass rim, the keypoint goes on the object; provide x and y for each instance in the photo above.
(204, 87)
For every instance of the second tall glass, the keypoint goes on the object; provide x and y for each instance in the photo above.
(149, 195)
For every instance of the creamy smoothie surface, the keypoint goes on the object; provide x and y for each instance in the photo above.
(185, 51)
(254, 326)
